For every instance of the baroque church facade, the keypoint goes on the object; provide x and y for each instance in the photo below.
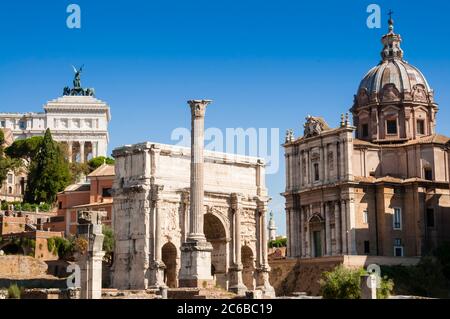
(380, 185)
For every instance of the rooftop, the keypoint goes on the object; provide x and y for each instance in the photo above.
(103, 170)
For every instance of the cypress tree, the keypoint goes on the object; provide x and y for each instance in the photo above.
(3, 161)
(48, 172)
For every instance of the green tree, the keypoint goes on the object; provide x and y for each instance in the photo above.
(25, 149)
(48, 172)
(99, 161)
(108, 243)
(77, 170)
(4, 165)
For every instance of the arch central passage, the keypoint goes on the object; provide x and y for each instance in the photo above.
(215, 234)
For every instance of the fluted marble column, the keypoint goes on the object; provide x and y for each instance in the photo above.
(196, 251)
(344, 227)
(82, 155)
(236, 282)
(337, 228)
(262, 275)
(328, 229)
(198, 110)
(157, 265)
(70, 151)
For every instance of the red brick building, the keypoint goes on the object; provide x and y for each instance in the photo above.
(95, 194)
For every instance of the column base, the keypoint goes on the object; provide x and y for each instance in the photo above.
(156, 279)
(195, 269)
(236, 283)
(263, 284)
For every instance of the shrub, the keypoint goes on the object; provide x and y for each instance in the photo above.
(344, 283)
(277, 243)
(80, 245)
(108, 244)
(27, 207)
(44, 207)
(341, 283)
(14, 292)
(60, 246)
(386, 288)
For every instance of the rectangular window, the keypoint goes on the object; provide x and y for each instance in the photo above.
(428, 174)
(391, 126)
(398, 251)
(106, 192)
(366, 247)
(3, 124)
(397, 218)
(421, 127)
(10, 179)
(60, 205)
(57, 219)
(365, 217)
(22, 125)
(365, 130)
(430, 217)
(316, 172)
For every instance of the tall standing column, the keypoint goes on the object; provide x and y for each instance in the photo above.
(262, 278)
(328, 229)
(94, 149)
(303, 237)
(308, 232)
(342, 160)
(351, 227)
(82, 159)
(157, 265)
(344, 227)
(236, 282)
(70, 151)
(337, 228)
(196, 251)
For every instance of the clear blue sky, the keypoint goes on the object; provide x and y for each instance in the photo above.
(266, 64)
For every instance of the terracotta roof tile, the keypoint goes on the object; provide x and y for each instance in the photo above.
(104, 170)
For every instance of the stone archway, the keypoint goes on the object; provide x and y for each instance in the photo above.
(248, 263)
(215, 234)
(12, 249)
(169, 257)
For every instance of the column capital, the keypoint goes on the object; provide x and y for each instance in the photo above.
(198, 107)
(236, 201)
(154, 149)
(262, 206)
(156, 192)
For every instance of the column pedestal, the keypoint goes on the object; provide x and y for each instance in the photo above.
(236, 282)
(195, 269)
(263, 283)
(156, 278)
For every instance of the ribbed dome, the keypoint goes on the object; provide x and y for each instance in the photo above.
(393, 79)
(398, 72)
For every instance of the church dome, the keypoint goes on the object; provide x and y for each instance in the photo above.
(394, 102)
(393, 78)
(401, 74)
